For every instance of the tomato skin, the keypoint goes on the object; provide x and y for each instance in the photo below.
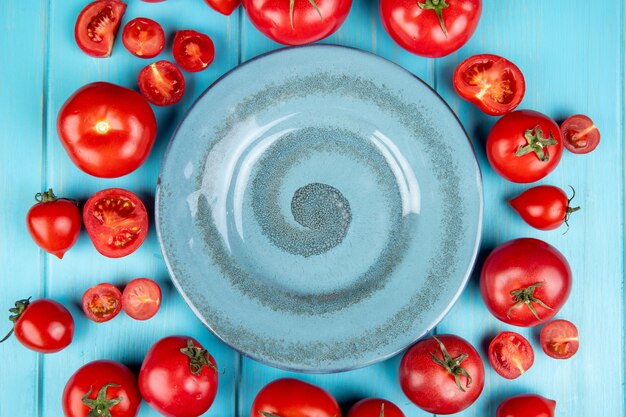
(225, 7)
(107, 130)
(271, 17)
(511, 355)
(430, 386)
(54, 223)
(493, 84)
(116, 221)
(94, 376)
(580, 134)
(419, 31)
(526, 405)
(143, 37)
(371, 407)
(559, 339)
(141, 298)
(544, 207)
(102, 302)
(161, 83)
(167, 383)
(520, 264)
(96, 27)
(289, 397)
(507, 137)
(201, 45)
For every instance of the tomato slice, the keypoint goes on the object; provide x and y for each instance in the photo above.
(143, 37)
(97, 25)
(492, 83)
(193, 51)
(510, 354)
(580, 134)
(141, 298)
(116, 222)
(162, 83)
(559, 339)
(102, 302)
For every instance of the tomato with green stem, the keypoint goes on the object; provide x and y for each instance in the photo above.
(559, 339)
(544, 207)
(375, 407)
(511, 355)
(289, 397)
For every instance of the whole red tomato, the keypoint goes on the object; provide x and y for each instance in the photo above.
(296, 22)
(101, 388)
(54, 223)
(225, 7)
(442, 374)
(178, 377)
(107, 130)
(524, 146)
(544, 207)
(288, 397)
(526, 405)
(525, 282)
(430, 28)
(44, 325)
(375, 407)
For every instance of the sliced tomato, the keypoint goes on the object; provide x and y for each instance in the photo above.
(580, 134)
(559, 339)
(143, 37)
(141, 298)
(116, 221)
(492, 83)
(193, 51)
(102, 302)
(97, 26)
(510, 354)
(162, 83)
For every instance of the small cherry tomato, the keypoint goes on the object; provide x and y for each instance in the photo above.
(524, 146)
(510, 355)
(580, 134)
(143, 37)
(178, 377)
(526, 405)
(225, 7)
(493, 84)
(289, 397)
(559, 339)
(141, 298)
(116, 221)
(193, 51)
(102, 302)
(442, 374)
(54, 223)
(44, 325)
(375, 407)
(544, 207)
(101, 388)
(162, 83)
(97, 25)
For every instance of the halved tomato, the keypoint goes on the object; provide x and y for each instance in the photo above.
(116, 222)
(492, 83)
(511, 354)
(97, 25)
(141, 298)
(143, 37)
(559, 339)
(580, 134)
(162, 83)
(193, 51)
(102, 302)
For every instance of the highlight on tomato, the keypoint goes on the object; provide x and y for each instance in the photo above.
(493, 84)
(193, 51)
(225, 7)
(102, 302)
(526, 405)
(375, 407)
(97, 25)
(162, 83)
(559, 339)
(289, 397)
(544, 207)
(44, 325)
(511, 355)
(143, 37)
(141, 298)
(107, 130)
(580, 134)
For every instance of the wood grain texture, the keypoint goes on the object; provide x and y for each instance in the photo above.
(572, 57)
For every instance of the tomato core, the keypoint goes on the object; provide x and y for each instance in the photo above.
(97, 28)
(102, 306)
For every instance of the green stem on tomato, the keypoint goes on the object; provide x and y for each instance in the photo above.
(437, 6)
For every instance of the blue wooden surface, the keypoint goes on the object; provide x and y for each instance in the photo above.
(571, 52)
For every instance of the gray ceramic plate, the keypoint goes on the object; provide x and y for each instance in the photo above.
(319, 208)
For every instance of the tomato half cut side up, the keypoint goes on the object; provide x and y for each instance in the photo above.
(116, 222)
(143, 37)
(102, 302)
(141, 298)
(580, 134)
(492, 83)
(511, 355)
(193, 51)
(162, 83)
(559, 339)
(97, 25)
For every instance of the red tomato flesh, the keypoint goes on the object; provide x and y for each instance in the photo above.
(162, 83)
(559, 339)
(193, 51)
(143, 37)
(97, 25)
(141, 298)
(492, 83)
(526, 405)
(510, 355)
(375, 407)
(580, 134)
(102, 302)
